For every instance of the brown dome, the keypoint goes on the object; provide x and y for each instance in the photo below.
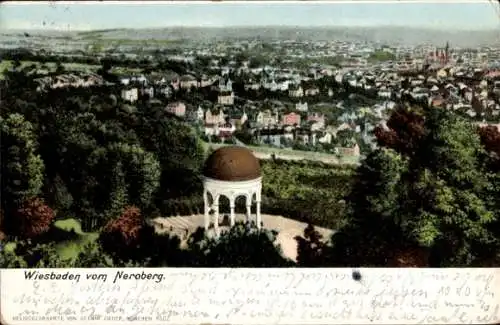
(232, 163)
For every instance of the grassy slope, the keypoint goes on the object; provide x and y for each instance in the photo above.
(6, 64)
(77, 67)
(316, 191)
(308, 155)
(70, 239)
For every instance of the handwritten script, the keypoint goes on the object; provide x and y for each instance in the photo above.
(251, 296)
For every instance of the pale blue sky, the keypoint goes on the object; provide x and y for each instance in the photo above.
(479, 15)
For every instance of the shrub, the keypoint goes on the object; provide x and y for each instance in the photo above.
(409, 257)
(33, 218)
(27, 254)
(242, 246)
(2, 234)
(9, 259)
(123, 230)
(93, 256)
(310, 248)
(130, 241)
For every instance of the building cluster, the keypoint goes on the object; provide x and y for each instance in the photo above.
(281, 104)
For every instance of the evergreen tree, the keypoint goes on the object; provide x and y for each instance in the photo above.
(21, 167)
(433, 198)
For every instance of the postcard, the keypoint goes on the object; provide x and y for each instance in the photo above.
(250, 162)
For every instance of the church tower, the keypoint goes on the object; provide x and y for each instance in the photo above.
(447, 53)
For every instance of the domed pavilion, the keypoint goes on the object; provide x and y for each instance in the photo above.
(231, 171)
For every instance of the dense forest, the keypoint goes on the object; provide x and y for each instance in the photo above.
(428, 196)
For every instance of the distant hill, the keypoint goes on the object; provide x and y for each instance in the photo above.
(390, 35)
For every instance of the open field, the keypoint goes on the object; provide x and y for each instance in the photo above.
(98, 41)
(263, 152)
(75, 67)
(125, 70)
(70, 239)
(50, 66)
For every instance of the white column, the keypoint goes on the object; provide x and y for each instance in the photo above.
(259, 219)
(216, 217)
(248, 203)
(231, 205)
(207, 208)
(249, 210)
